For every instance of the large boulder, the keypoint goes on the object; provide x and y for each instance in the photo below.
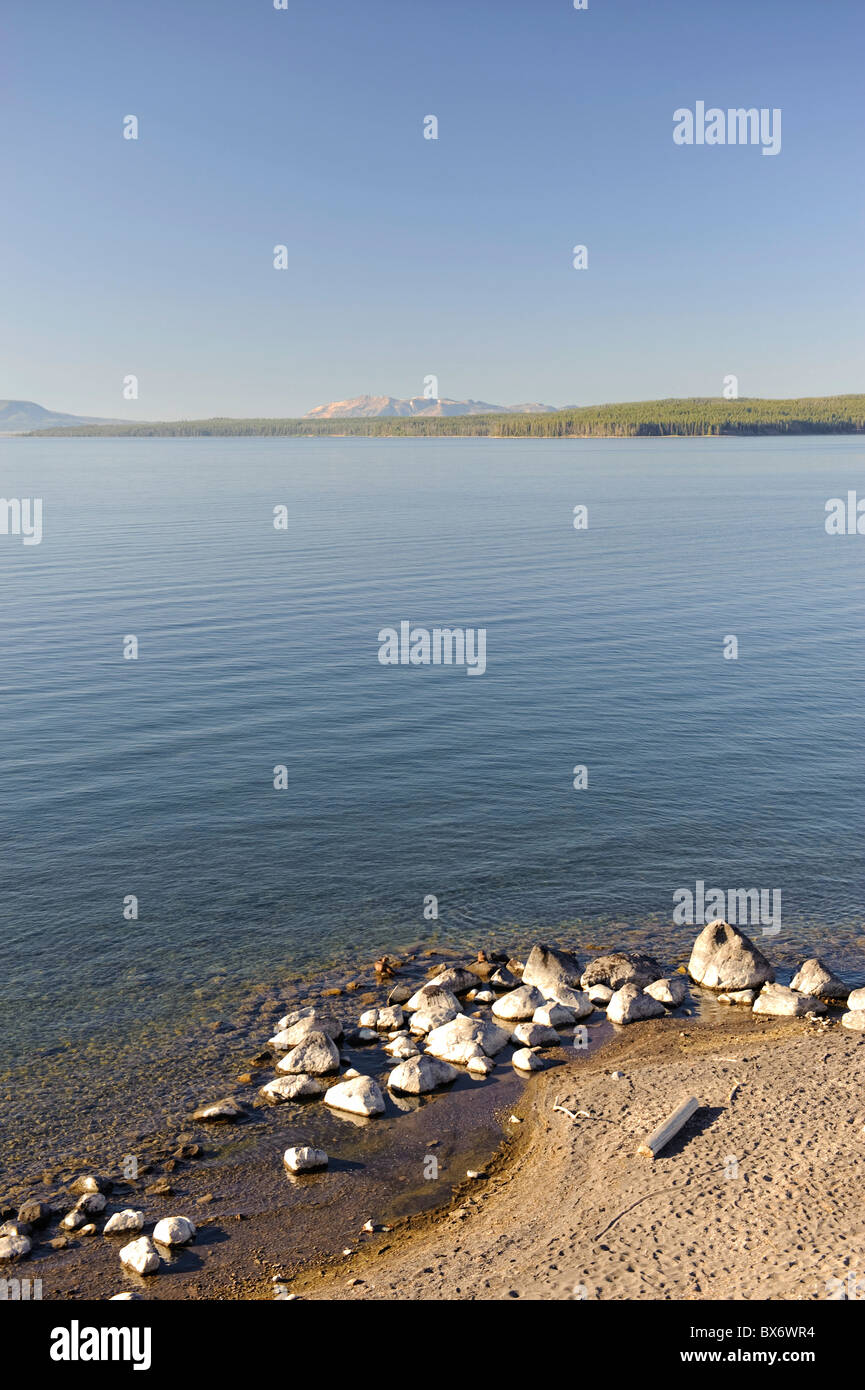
(814, 977)
(577, 1000)
(519, 1004)
(316, 1055)
(466, 1037)
(630, 1004)
(781, 1002)
(417, 1075)
(427, 1020)
(725, 958)
(621, 968)
(856, 1000)
(359, 1096)
(670, 991)
(297, 1031)
(547, 968)
(554, 1015)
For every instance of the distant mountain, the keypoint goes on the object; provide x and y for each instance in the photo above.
(16, 417)
(376, 407)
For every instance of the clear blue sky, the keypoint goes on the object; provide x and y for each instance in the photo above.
(410, 256)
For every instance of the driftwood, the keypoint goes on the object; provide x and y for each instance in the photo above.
(665, 1132)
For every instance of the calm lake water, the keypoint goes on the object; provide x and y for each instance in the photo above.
(259, 647)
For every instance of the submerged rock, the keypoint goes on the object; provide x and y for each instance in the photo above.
(525, 1060)
(630, 1004)
(300, 1086)
(725, 958)
(814, 977)
(418, 1075)
(304, 1159)
(519, 1004)
(174, 1230)
(316, 1055)
(671, 990)
(123, 1221)
(360, 1096)
(140, 1255)
(547, 968)
(223, 1111)
(620, 968)
(781, 1002)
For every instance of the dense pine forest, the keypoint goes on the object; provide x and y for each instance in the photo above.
(689, 417)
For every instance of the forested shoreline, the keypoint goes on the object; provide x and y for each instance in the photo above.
(691, 417)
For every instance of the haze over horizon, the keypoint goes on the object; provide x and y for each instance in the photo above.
(409, 257)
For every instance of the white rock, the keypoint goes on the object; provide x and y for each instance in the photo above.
(856, 1000)
(600, 994)
(620, 968)
(855, 1019)
(91, 1203)
(402, 1047)
(781, 1002)
(725, 958)
(304, 1159)
(297, 1086)
(123, 1221)
(465, 1037)
(738, 996)
(485, 996)
(480, 1065)
(432, 996)
(427, 1020)
(536, 1035)
(418, 1075)
(360, 1096)
(519, 1003)
(630, 1004)
(815, 978)
(577, 1000)
(457, 979)
(140, 1255)
(74, 1220)
(524, 1060)
(670, 990)
(554, 1015)
(221, 1110)
(125, 1297)
(174, 1230)
(548, 969)
(14, 1247)
(316, 1055)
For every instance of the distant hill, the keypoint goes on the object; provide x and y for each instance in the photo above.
(383, 407)
(692, 417)
(22, 417)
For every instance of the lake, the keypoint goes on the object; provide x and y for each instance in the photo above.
(258, 648)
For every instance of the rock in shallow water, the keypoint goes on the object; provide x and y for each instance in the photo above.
(725, 958)
(670, 991)
(619, 968)
(140, 1255)
(536, 1035)
(738, 996)
(316, 1055)
(554, 1015)
(465, 1037)
(525, 1060)
(360, 1096)
(519, 1004)
(815, 978)
(418, 1075)
(301, 1086)
(14, 1247)
(222, 1111)
(174, 1230)
(457, 979)
(304, 1159)
(124, 1221)
(631, 1004)
(431, 997)
(600, 995)
(781, 1002)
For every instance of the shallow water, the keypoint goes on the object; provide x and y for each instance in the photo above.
(259, 647)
